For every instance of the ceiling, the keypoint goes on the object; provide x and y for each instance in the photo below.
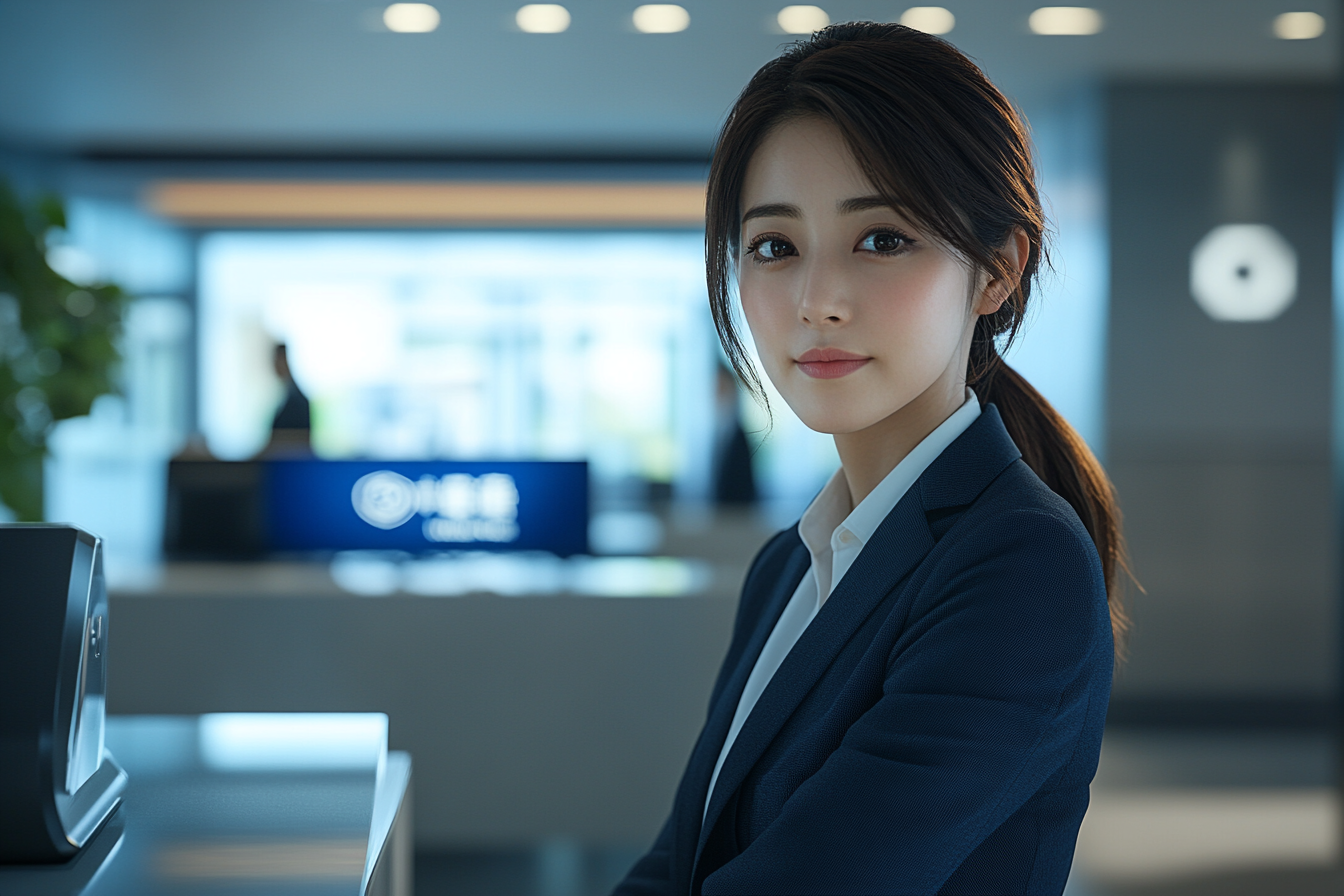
(313, 76)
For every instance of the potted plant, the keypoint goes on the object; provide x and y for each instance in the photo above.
(58, 347)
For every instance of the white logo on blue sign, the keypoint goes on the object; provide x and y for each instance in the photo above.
(384, 499)
(457, 507)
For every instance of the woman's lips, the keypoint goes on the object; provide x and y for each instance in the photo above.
(830, 363)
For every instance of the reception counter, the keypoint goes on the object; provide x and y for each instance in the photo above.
(309, 804)
(531, 717)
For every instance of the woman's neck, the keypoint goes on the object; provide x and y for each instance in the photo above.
(868, 455)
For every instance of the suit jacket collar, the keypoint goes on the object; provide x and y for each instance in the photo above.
(969, 464)
(903, 539)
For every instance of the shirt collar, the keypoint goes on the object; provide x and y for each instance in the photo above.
(832, 510)
(827, 511)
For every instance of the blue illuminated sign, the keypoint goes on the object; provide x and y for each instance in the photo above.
(326, 505)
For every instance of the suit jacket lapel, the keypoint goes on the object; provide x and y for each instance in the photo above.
(896, 548)
(955, 478)
(695, 783)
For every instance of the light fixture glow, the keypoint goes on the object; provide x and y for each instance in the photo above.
(929, 19)
(661, 18)
(802, 19)
(273, 741)
(1243, 272)
(1299, 25)
(1077, 20)
(425, 202)
(542, 18)
(411, 18)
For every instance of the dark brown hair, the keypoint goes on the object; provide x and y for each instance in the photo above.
(940, 142)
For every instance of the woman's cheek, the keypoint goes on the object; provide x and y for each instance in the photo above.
(924, 324)
(767, 319)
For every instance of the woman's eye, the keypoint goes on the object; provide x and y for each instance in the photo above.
(772, 250)
(884, 242)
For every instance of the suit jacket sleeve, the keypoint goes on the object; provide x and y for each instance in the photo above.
(986, 690)
(652, 874)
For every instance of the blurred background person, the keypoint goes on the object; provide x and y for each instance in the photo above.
(292, 424)
(734, 478)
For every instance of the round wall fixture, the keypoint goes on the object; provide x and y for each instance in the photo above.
(1243, 272)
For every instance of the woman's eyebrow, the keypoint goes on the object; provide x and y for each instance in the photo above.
(772, 210)
(862, 204)
(844, 207)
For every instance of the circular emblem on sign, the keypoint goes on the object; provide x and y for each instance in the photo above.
(384, 499)
(1243, 272)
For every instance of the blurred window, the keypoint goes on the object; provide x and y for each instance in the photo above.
(547, 345)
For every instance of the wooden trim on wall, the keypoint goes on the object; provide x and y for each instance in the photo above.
(279, 203)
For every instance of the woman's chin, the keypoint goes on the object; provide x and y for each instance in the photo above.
(835, 421)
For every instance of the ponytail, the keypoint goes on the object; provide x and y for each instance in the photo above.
(1059, 456)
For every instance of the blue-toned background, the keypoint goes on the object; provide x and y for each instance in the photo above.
(309, 507)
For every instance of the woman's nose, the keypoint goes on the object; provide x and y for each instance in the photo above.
(823, 301)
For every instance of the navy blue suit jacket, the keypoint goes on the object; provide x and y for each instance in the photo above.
(935, 728)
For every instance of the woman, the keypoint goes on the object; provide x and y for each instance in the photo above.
(914, 694)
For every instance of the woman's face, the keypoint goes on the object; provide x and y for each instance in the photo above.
(856, 312)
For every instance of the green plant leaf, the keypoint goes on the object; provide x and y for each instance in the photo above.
(69, 360)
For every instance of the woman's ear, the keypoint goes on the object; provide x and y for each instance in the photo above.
(1015, 251)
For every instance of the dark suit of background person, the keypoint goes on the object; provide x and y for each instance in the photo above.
(290, 428)
(935, 727)
(293, 412)
(734, 478)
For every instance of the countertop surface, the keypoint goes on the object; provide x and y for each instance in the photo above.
(237, 802)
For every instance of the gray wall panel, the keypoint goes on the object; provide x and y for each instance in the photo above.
(1219, 432)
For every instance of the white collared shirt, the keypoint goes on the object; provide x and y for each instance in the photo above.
(832, 511)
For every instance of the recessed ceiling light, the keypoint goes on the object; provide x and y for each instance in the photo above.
(661, 18)
(1065, 20)
(411, 18)
(1299, 25)
(802, 19)
(929, 19)
(542, 18)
